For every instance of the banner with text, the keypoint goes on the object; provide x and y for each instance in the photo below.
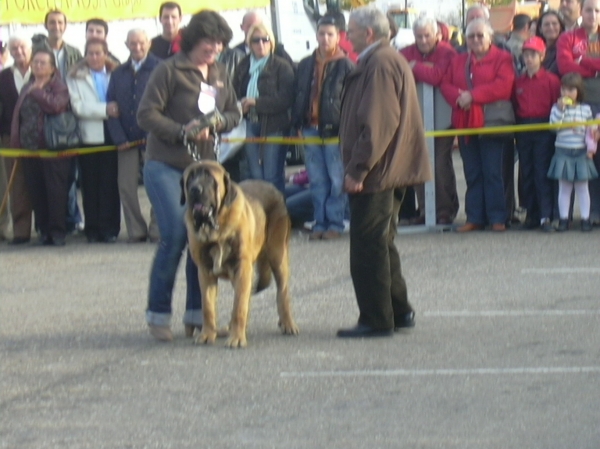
(31, 12)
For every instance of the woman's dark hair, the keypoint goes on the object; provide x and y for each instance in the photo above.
(45, 51)
(574, 81)
(540, 20)
(96, 41)
(205, 24)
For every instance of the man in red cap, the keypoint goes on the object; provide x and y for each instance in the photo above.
(535, 93)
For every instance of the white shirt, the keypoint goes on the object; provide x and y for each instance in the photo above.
(21, 80)
(136, 65)
(59, 55)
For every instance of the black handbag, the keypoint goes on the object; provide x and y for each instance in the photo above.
(499, 113)
(62, 131)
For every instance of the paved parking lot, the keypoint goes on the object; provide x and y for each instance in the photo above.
(505, 354)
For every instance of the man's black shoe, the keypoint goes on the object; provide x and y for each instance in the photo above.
(108, 238)
(19, 241)
(404, 322)
(58, 241)
(364, 331)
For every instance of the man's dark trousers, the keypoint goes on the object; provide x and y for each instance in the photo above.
(374, 260)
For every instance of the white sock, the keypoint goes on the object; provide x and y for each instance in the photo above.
(564, 198)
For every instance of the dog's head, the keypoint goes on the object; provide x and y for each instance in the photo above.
(206, 188)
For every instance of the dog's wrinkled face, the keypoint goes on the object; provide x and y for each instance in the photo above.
(203, 197)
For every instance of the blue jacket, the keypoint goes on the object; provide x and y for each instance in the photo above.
(126, 88)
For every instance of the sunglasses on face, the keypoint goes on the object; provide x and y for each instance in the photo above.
(475, 36)
(264, 40)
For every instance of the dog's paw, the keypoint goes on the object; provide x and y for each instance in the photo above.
(205, 337)
(236, 341)
(289, 327)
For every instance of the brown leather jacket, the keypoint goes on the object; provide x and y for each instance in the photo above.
(381, 131)
(53, 99)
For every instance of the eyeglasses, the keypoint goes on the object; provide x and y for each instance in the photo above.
(475, 36)
(264, 40)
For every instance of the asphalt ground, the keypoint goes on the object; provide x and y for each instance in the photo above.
(505, 354)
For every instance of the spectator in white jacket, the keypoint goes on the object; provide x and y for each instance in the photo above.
(88, 85)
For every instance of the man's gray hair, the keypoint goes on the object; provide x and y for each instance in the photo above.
(371, 17)
(487, 27)
(136, 31)
(478, 6)
(425, 20)
(18, 38)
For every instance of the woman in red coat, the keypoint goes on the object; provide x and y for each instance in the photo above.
(481, 76)
(47, 179)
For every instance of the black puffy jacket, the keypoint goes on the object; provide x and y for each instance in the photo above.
(334, 75)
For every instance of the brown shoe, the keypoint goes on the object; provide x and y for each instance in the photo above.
(161, 333)
(468, 227)
(331, 235)
(315, 235)
(498, 227)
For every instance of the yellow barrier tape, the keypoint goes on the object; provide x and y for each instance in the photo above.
(12, 152)
(441, 133)
(19, 152)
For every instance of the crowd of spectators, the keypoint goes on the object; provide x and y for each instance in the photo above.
(279, 97)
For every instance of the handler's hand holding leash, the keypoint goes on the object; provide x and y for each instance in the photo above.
(201, 129)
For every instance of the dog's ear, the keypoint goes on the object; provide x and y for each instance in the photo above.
(229, 190)
(182, 184)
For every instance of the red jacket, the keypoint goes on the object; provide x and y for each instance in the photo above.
(534, 96)
(430, 68)
(492, 78)
(570, 47)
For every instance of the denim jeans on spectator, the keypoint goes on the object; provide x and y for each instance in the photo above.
(536, 149)
(164, 191)
(73, 213)
(265, 161)
(326, 183)
(482, 162)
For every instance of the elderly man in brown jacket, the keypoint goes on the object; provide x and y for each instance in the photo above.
(383, 148)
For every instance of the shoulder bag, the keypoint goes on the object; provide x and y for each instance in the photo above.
(62, 131)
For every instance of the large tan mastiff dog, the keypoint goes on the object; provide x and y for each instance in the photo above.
(231, 228)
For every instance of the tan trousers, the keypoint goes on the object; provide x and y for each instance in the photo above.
(19, 203)
(129, 166)
(446, 197)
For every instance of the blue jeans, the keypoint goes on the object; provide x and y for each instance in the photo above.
(73, 213)
(265, 161)
(326, 181)
(482, 163)
(536, 149)
(164, 191)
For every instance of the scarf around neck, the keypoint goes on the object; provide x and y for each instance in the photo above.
(256, 68)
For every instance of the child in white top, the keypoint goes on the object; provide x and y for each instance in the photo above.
(572, 161)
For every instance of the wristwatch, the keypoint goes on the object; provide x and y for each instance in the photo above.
(181, 136)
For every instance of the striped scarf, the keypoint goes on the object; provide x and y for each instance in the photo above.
(256, 68)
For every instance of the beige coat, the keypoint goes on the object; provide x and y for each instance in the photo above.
(381, 132)
(87, 107)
